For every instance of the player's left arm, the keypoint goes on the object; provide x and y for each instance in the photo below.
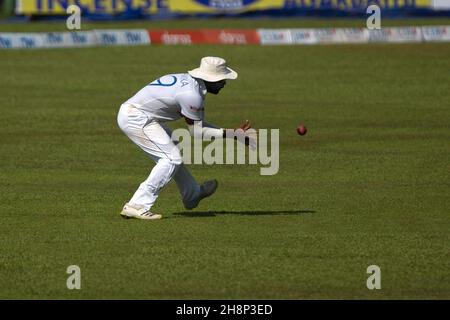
(202, 129)
(193, 112)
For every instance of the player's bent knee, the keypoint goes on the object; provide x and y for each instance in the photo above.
(175, 157)
(176, 161)
(171, 161)
(122, 120)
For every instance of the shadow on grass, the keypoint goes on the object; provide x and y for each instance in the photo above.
(212, 213)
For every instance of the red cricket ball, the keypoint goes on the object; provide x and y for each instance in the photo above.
(301, 130)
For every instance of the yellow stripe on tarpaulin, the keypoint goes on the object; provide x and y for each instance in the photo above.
(58, 7)
(424, 3)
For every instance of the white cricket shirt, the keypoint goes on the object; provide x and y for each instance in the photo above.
(171, 97)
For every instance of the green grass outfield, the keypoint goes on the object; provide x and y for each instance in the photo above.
(369, 183)
(221, 23)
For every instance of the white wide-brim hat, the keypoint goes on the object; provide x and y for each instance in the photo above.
(213, 69)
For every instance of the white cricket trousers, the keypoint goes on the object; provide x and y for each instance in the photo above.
(154, 138)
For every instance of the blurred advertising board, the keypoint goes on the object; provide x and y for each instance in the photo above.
(214, 6)
(132, 37)
(93, 7)
(140, 8)
(205, 36)
(125, 37)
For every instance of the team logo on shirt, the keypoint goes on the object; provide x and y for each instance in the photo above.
(158, 82)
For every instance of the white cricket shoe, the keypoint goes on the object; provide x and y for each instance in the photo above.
(138, 212)
(206, 189)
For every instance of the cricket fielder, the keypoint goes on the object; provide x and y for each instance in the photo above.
(142, 119)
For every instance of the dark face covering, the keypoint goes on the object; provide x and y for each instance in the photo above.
(214, 87)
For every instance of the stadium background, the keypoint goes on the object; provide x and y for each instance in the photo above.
(367, 185)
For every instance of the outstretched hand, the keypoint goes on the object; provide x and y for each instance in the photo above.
(249, 138)
(243, 134)
(245, 125)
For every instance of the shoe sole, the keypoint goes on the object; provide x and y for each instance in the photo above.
(125, 216)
